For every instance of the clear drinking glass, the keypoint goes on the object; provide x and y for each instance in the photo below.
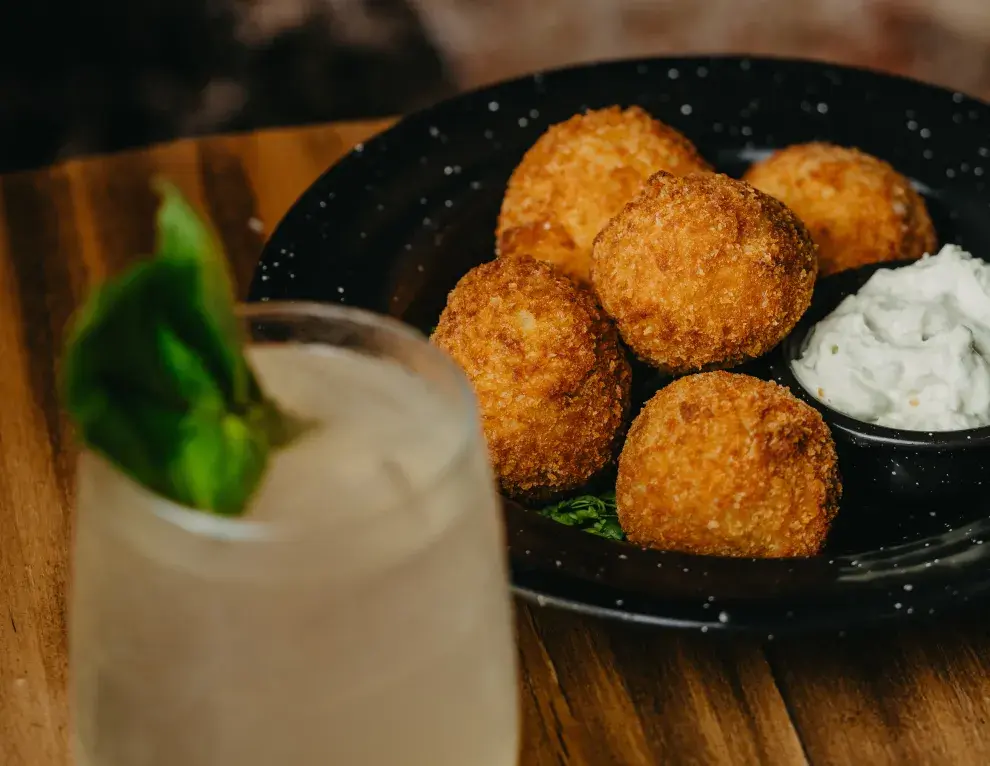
(358, 613)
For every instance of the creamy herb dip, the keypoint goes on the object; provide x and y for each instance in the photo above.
(911, 349)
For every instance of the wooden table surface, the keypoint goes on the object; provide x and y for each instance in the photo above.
(592, 692)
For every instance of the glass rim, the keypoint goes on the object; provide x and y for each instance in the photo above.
(245, 529)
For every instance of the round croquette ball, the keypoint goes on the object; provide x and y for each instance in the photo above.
(551, 379)
(578, 175)
(858, 209)
(725, 464)
(703, 271)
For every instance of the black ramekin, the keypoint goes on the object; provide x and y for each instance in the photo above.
(898, 462)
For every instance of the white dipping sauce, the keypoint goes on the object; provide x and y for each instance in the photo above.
(911, 349)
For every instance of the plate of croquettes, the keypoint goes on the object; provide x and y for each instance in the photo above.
(627, 260)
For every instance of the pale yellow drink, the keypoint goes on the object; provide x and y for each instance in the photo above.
(358, 614)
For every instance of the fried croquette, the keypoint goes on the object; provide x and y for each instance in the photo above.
(724, 464)
(548, 242)
(578, 175)
(858, 208)
(703, 271)
(551, 379)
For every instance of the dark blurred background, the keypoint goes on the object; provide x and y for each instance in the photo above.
(103, 75)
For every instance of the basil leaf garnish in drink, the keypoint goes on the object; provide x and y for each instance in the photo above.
(155, 378)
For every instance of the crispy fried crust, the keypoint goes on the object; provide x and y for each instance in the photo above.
(728, 465)
(703, 271)
(858, 208)
(578, 175)
(548, 242)
(551, 379)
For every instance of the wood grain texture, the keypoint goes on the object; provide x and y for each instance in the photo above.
(592, 693)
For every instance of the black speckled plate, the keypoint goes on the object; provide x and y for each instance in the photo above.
(396, 222)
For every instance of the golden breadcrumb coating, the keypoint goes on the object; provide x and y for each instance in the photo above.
(724, 464)
(703, 271)
(548, 242)
(551, 379)
(578, 175)
(858, 208)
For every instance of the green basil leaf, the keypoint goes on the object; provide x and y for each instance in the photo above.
(155, 378)
(595, 514)
(206, 319)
